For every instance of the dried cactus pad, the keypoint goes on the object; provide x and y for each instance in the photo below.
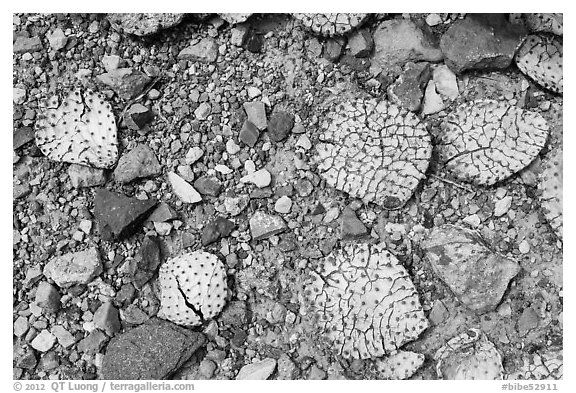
(364, 302)
(331, 24)
(82, 130)
(551, 188)
(546, 23)
(399, 365)
(485, 141)
(469, 355)
(374, 151)
(143, 24)
(540, 58)
(193, 288)
(546, 365)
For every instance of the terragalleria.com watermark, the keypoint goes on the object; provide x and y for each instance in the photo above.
(104, 386)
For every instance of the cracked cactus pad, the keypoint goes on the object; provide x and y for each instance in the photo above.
(331, 24)
(546, 365)
(540, 58)
(399, 365)
(193, 288)
(551, 188)
(547, 23)
(374, 151)
(82, 130)
(469, 355)
(363, 302)
(485, 141)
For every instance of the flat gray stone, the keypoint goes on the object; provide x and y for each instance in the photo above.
(205, 51)
(85, 176)
(138, 162)
(74, 268)
(264, 225)
(256, 112)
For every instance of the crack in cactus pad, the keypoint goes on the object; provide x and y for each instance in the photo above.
(364, 302)
(547, 23)
(144, 24)
(551, 188)
(82, 130)
(469, 355)
(399, 365)
(540, 58)
(374, 151)
(193, 288)
(546, 365)
(484, 141)
(331, 24)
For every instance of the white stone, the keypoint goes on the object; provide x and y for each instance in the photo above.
(111, 62)
(304, 142)
(85, 226)
(18, 95)
(502, 206)
(193, 155)
(433, 20)
(253, 92)
(261, 178)
(163, 228)
(57, 39)
(231, 147)
(433, 102)
(524, 247)
(249, 166)
(473, 220)
(283, 205)
(183, 190)
(258, 370)
(44, 341)
(223, 169)
(203, 111)
(445, 81)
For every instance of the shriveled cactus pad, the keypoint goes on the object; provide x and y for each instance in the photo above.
(82, 130)
(193, 288)
(485, 141)
(538, 22)
(540, 58)
(551, 188)
(399, 365)
(144, 24)
(374, 151)
(331, 24)
(546, 365)
(364, 302)
(469, 355)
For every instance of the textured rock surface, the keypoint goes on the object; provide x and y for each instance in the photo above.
(205, 50)
(474, 273)
(74, 268)
(485, 141)
(82, 130)
(469, 356)
(138, 162)
(144, 24)
(407, 91)
(258, 370)
(193, 288)
(154, 350)
(128, 83)
(552, 191)
(85, 176)
(364, 302)
(399, 365)
(481, 41)
(373, 151)
(548, 364)
(331, 24)
(541, 58)
(264, 225)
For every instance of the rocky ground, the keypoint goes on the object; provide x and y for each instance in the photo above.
(224, 145)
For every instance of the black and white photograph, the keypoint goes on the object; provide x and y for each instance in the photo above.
(286, 196)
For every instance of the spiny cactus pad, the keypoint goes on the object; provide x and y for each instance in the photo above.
(331, 24)
(364, 302)
(399, 365)
(193, 288)
(142, 24)
(374, 151)
(546, 23)
(82, 130)
(485, 141)
(469, 355)
(551, 188)
(540, 58)
(546, 365)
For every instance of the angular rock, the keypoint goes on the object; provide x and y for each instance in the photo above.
(193, 155)
(433, 102)
(137, 116)
(257, 371)
(361, 43)
(163, 213)
(44, 341)
(47, 297)
(85, 176)
(351, 226)
(128, 83)
(219, 228)
(238, 35)
(445, 81)
(64, 337)
(264, 225)
(249, 133)
(280, 125)
(21, 326)
(205, 51)
(185, 192)
(154, 350)
(57, 39)
(106, 318)
(18, 95)
(333, 48)
(329, 24)
(93, 343)
(256, 112)
(203, 111)
(74, 268)
(111, 62)
(148, 259)
(22, 136)
(143, 24)
(477, 275)
(407, 91)
(234, 205)
(234, 18)
(481, 41)
(27, 45)
(261, 178)
(208, 185)
(138, 162)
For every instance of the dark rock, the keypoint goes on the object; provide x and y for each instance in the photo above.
(361, 43)
(477, 275)
(254, 42)
(27, 44)
(154, 350)
(235, 314)
(208, 185)
(22, 136)
(137, 117)
(333, 48)
(93, 343)
(27, 360)
(138, 162)
(126, 294)
(481, 41)
(106, 318)
(163, 213)
(48, 297)
(249, 133)
(119, 216)
(205, 51)
(528, 321)
(351, 226)
(128, 83)
(219, 228)
(148, 259)
(408, 90)
(49, 361)
(280, 125)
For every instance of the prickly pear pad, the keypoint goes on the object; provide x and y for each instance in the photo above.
(363, 302)
(399, 365)
(540, 57)
(551, 188)
(331, 24)
(374, 151)
(82, 130)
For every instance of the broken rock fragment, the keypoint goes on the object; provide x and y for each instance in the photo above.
(128, 83)
(74, 268)
(264, 225)
(477, 275)
(138, 162)
(183, 189)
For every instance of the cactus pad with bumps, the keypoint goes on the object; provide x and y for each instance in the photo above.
(485, 141)
(541, 365)
(373, 150)
(469, 356)
(193, 288)
(540, 58)
(142, 24)
(539, 22)
(551, 188)
(331, 24)
(399, 365)
(363, 302)
(82, 130)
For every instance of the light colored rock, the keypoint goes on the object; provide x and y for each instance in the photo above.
(253, 92)
(257, 371)
(205, 51)
(445, 81)
(193, 155)
(111, 62)
(256, 112)
(231, 147)
(44, 341)
(57, 39)
(74, 268)
(183, 189)
(433, 20)
(203, 111)
(65, 338)
(261, 178)
(264, 225)
(433, 102)
(502, 206)
(18, 95)
(283, 205)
